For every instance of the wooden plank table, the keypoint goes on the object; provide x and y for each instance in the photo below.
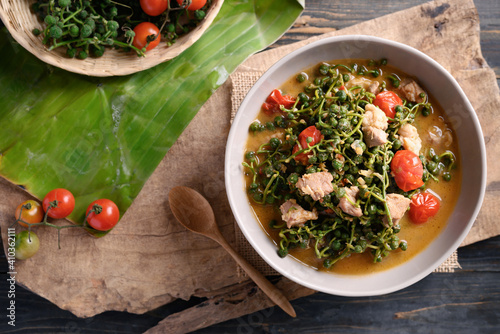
(467, 301)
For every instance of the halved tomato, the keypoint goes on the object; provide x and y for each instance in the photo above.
(310, 132)
(275, 100)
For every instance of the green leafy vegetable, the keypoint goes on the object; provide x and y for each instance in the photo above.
(103, 138)
(88, 27)
(349, 211)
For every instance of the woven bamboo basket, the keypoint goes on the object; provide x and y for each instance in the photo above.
(20, 21)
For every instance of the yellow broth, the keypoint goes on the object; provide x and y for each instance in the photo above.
(417, 236)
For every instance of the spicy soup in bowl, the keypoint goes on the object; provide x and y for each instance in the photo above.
(353, 167)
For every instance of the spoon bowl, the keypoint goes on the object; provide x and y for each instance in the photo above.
(194, 212)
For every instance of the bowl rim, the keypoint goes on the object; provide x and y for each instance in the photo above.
(230, 191)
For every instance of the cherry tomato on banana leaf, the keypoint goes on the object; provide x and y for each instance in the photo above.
(154, 7)
(275, 100)
(195, 4)
(144, 32)
(60, 201)
(27, 244)
(387, 102)
(407, 170)
(102, 214)
(423, 206)
(32, 212)
(315, 137)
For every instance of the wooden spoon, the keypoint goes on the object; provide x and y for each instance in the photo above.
(194, 212)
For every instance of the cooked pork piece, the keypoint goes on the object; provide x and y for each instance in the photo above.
(374, 126)
(436, 136)
(373, 87)
(408, 134)
(369, 85)
(397, 204)
(294, 215)
(346, 205)
(317, 185)
(411, 91)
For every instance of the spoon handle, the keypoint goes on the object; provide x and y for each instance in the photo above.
(263, 283)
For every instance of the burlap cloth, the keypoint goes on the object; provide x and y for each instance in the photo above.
(439, 29)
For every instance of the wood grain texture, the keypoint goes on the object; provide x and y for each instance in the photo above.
(465, 302)
(323, 16)
(232, 302)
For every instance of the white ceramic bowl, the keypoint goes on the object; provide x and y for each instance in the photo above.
(460, 112)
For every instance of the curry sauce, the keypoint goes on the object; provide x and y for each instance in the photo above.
(436, 135)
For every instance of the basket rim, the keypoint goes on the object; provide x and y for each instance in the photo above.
(20, 21)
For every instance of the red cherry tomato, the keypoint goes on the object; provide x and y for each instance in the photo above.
(32, 215)
(154, 7)
(142, 31)
(310, 132)
(63, 200)
(423, 206)
(195, 4)
(275, 99)
(408, 170)
(105, 216)
(302, 158)
(387, 102)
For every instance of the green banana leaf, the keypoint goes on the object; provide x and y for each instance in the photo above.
(103, 138)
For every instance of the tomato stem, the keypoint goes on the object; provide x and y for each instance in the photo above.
(95, 209)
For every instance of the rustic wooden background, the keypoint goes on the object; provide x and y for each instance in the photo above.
(467, 301)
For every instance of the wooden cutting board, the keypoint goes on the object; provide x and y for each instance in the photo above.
(149, 259)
